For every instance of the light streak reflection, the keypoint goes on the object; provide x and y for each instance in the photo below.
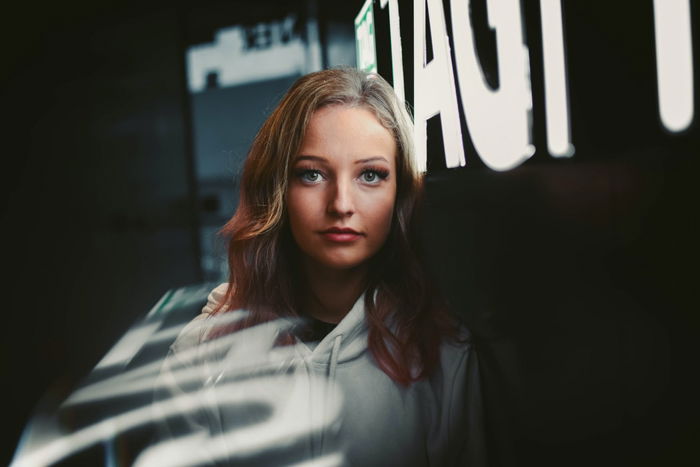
(219, 378)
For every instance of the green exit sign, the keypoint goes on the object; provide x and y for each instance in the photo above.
(364, 38)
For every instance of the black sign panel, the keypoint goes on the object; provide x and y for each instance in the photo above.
(561, 142)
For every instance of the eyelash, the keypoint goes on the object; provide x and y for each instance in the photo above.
(302, 172)
(379, 172)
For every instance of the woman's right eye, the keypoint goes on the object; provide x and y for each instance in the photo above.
(309, 175)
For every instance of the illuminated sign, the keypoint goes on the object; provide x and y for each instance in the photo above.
(364, 33)
(450, 83)
(674, 63)
(240, 55)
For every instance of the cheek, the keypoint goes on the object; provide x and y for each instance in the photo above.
(298, 206)
(381, 213)
(302, 213)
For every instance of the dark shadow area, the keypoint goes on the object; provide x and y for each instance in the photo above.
(98, 218)
(577, 281)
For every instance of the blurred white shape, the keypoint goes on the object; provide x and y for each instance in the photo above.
(289, 421)
(228, 58)
(556, 91)
(364, 31)
(498, 120)
(330, 460)
(288, 424)
(129, 344)
(40, 430)
(145, 332)
(240, 381)
(170, 452)
(674, 63)
(142, 379)
(434, 85)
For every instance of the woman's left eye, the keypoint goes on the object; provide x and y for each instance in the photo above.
(373, 176)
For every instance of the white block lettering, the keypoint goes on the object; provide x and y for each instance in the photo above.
(434, 85)
(674, 63)
(556, 98)
(498, 120)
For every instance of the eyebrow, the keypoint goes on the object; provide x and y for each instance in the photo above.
(372, 159)
(323, 159)
(310, 158)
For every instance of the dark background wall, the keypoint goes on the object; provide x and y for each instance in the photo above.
(97, 212)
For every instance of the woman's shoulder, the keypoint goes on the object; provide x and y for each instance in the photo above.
(456, 349)
(216, 296)
(194, 332)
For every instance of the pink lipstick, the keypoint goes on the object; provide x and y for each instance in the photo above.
(340, 235)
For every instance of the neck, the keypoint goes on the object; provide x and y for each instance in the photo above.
(331, 293)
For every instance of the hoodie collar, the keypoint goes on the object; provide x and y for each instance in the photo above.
(351, 331)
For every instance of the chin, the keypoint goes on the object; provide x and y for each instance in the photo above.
(342, 263)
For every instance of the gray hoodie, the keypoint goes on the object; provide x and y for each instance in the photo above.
(245, 401)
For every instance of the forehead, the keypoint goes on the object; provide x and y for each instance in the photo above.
(342, 132)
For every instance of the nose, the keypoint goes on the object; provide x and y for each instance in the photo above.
(341, 202)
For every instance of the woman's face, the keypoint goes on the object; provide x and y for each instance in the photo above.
(342, 190)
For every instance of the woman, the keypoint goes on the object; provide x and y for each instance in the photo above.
(323, 241)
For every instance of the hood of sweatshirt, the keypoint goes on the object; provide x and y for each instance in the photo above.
(313, 367)
(309, 411)
(347, 341)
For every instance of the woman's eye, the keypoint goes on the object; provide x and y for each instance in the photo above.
(310, 176)
(373, 176)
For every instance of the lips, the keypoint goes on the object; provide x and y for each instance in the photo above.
(340, 235)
